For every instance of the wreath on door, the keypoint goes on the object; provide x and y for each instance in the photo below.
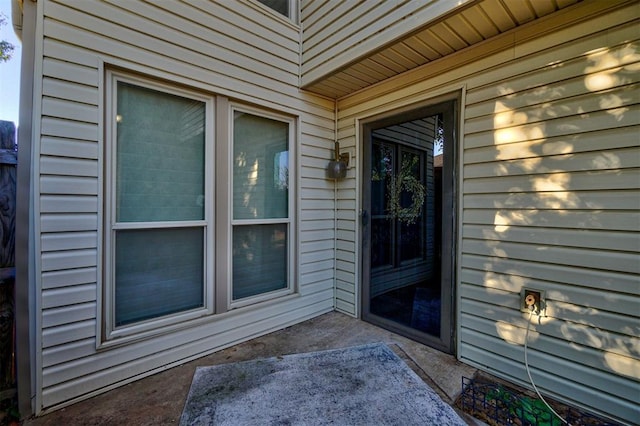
(405, 181)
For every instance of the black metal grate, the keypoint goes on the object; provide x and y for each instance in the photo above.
(496, 404)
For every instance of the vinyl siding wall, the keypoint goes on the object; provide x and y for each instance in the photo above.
(336, 33)
(549, 199)
(234, 49)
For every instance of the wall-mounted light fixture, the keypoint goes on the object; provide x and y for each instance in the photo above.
(337, 168)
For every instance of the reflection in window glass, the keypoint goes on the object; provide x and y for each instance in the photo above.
(159, 177)
(280, 6)
(281, 170)
(160, 156)
(260, 205)
(158, 272)
(382, 168)
(259, 259)
(260, 169)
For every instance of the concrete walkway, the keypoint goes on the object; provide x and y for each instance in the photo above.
(159, 399)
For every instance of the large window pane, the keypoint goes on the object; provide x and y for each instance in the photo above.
(158, 272)
(382, 168)
(259, 259)
(411, 242)
(160, 156)
(261, 167)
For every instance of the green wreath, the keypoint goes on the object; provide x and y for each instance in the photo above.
(405, 181)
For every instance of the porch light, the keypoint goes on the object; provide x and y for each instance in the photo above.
(337, 168)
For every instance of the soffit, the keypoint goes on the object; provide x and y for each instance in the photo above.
(470, 25)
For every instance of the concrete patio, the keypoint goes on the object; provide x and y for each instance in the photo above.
(159, 399)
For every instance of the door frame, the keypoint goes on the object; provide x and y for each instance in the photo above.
(448, 104)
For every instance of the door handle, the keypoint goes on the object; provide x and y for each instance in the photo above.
(364, 217)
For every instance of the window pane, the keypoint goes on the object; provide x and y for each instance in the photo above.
(382, 168)
(382, 237)
(158, 272)
(280, 6)
(412, 233)
(259, 259)
(261, 167)
(160, 156)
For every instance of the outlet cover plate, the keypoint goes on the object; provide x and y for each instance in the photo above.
(539, 294)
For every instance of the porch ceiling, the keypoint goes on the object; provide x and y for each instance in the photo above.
(466, 26)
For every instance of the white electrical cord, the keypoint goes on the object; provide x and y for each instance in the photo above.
(526, 364)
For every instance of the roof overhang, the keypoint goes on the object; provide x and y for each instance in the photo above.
(465, 26)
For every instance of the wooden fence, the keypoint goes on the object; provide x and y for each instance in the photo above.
(8, 162)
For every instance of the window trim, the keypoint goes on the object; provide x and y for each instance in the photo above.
(217, 224)
(294, 13)
(111, 332)
(290, 220)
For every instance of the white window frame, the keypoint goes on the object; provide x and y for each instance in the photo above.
(289, 220)
(111, 226)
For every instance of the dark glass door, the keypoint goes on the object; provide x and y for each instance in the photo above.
(408, 223)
